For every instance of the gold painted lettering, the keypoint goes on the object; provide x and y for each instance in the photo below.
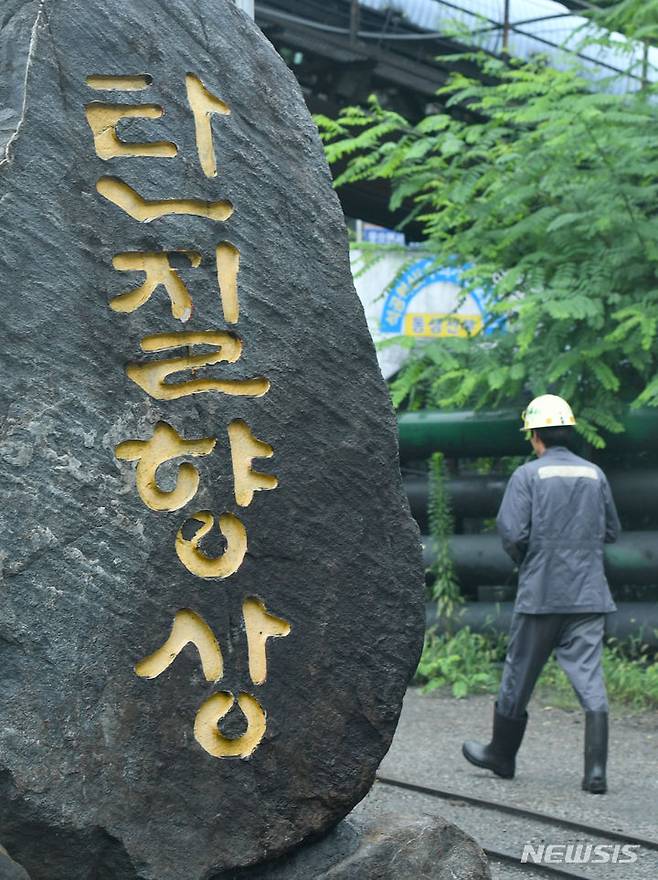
(151, 376)
(165, 445)
(103, 120)
(158, 272)
(203, 105)
(260, 626)
(125, 197)
(244, 448)
(216, 707)
(228, 267)
(188, 628)
(196, 561)
(119, 83)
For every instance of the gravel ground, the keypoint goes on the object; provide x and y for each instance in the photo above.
(427, 750)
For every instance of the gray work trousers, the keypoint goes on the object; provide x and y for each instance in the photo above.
(577, 640)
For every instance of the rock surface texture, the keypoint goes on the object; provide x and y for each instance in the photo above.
(179, 699)
(390, 847)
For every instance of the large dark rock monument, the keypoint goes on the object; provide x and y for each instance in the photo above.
(210, 584)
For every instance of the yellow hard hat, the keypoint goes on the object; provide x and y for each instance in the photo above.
(547, 411)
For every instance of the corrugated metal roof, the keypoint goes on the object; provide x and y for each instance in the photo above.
(531, 36)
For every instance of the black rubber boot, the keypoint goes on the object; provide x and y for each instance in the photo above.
(500, 754)
(596, 752)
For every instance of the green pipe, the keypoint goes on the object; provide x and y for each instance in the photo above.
(480, 559)
(472, 434)
(478, 496)
(459, 434)
(640, 434)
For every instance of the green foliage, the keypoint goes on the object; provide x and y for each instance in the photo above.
(637, 18)
(548, 190)
(465, 662)
(469, 662)
(631, 678)
(445, 586)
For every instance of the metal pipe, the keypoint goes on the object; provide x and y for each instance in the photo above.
(470, 495)
(471, 434)
(355, 21)
(631, 620)
(463, 433)
(480, 559)
(478, 496)
(506, 26)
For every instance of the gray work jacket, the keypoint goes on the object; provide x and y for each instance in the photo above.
(555, 517)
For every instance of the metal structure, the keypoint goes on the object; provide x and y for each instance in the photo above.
(331, 48)
(556, 827)
(478, 496)
(405, 39)
(526, 28)
(480, 559)
(342, 51)
(481, 565)
(469, 434)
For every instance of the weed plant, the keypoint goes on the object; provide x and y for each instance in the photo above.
(471, 663)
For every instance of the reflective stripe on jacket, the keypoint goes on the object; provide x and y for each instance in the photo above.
(555, 517)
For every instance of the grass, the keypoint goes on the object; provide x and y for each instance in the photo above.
(469, 663)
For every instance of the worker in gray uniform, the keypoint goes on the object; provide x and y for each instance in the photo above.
(555, 517)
